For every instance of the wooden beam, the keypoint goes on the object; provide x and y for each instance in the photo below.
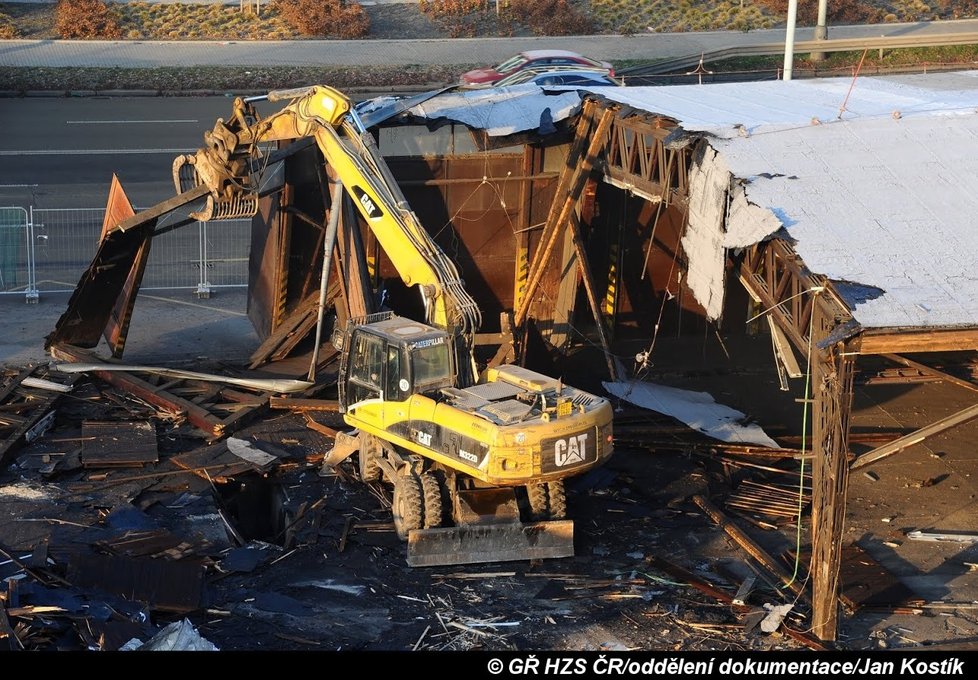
(941, 375)
(890, 341)
(886, 450)
(152, 214)
(691, 579)
(749, 545)
(572, 183)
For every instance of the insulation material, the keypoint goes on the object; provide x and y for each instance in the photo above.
(502, 111)
(703, 238)
(697, 409)
(747, 223)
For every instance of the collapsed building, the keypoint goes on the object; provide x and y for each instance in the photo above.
(613, 234)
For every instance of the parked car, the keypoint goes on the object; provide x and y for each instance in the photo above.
(531, 58)
(559, 75)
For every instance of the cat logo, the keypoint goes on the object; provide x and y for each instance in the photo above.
(424, 439)
(571, 450)
(367, 203)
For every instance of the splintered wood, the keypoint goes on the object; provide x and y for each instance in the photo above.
(22, 407)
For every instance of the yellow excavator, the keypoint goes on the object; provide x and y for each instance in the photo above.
(477, 465)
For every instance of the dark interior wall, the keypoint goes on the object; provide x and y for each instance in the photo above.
(302, 173)
(479, 215)
(472, 207)
(621, 229)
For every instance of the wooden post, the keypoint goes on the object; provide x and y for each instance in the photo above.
(570, 186)
(832, 372)
(592, 295)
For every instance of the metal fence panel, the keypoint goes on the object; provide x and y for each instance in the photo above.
(16, 258)
(224, 251)
(65, 241)
(210, 255)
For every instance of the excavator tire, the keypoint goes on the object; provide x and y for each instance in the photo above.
(434, 506)
(370, 450)
(557, 500)
(408, 505)
(539, 501)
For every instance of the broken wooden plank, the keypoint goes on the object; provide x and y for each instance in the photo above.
(44, 384)
(886, 450)
(31, 407)
(160, 584)
(290, 331)
(216, 463)
(749, 545)
(119, 444)
(805, 638)
(296, 404)
(151, 543)
(319, 427)
(691, 579)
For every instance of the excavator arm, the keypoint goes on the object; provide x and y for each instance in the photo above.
(230, 163)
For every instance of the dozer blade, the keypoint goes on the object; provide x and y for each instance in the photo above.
(477, 543)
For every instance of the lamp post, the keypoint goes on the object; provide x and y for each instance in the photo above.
(821, 30)
(789, 40)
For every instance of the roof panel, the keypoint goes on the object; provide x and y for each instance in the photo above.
(876, 199)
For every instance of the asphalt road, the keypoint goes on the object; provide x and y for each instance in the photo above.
(61, 153)
(652, 46)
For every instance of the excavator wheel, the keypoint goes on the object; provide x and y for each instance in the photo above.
(434, 503)
(539, 501)
(370, 450)
(557, 500)
(408, 504)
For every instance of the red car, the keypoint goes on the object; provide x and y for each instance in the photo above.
(487, 76)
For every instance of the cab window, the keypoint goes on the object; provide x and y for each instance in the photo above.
(431, 367)
(366, 367)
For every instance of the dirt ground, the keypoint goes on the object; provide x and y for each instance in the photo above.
(315, 564)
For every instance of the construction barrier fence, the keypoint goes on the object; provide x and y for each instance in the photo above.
(47, 250)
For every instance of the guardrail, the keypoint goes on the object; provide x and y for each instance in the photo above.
(801, 47)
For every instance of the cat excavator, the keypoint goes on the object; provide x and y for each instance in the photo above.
(477, 464)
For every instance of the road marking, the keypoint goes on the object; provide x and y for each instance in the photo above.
(16, 186)
(193, 304)
(126, 122)
(88, 152)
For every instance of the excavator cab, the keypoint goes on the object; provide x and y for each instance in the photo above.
(389, 359)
